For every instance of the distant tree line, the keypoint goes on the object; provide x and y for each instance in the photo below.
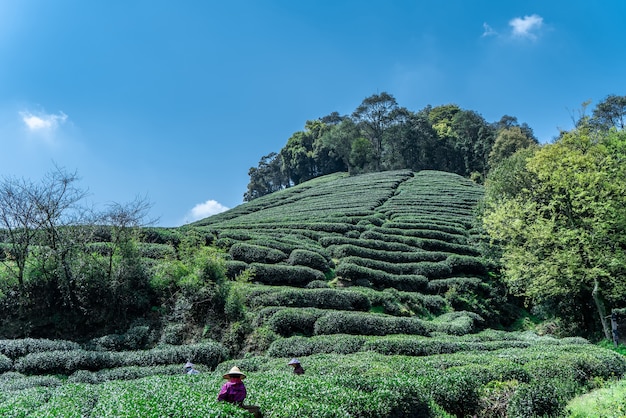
(380, 135)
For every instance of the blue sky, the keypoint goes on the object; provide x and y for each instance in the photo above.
(175, 101)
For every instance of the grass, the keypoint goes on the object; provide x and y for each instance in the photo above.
(607, 402)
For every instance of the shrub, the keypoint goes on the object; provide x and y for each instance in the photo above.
(318, 344)
(316, 298)
(380, 279)
(285, 275)
(67, 362)
(235, 268)
(21, 347)
(135, 338)
(290, 321)
(360, 323)
(251, 253)
(308, 259)
(5, 363)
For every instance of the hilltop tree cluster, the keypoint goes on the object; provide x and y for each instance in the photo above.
(380, 135)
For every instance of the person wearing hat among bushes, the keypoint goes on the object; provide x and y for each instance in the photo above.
(297, 367)
(188, 368)
(234, 391)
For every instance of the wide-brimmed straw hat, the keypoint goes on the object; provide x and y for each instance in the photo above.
(188, 365)
(294, 361)
(234, 372)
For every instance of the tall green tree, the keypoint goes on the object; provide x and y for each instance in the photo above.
(508, 141)
(268, 177)
(563, 228)
(610, 112)
(374, 116)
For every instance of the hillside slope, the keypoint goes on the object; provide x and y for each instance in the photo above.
(374, 254)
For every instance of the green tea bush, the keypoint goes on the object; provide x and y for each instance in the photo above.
(325, 298)
(277, 274)
(21, 347)
(234, 268)
(347, 250)
(334, 242)
(545, 398)
(457, 323)
(466, 265)
(380, 279)
(5, 363)
(125, 373)
(13, 381)
(308, 259)
(250, 253)
(319, 344)
(156, 251)
(289, 321)
(317, 284)
(67, 362)
(136, 338)
(360, 323)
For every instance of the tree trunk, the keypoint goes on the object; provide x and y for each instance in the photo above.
(595, 293)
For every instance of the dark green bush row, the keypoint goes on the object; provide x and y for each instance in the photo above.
(289, 321)
(411, 345)
(156, 251)
(423, 243)
(157, 235)
(124, 373)
(347, 250)
(19, 348)
(373, 243)
(460, 283)
(465, 264)
(360, 323)
(380, 279)
(5, 363)
(13, 381)
(67, 362)
(308, 259)
(315, 298)
(432, 270)
(410, 224)
(319, 344)
(135, 338)
(423, 233)
(284, 275)
(399, 303)
(235, 268)
(250, 253)
(457, 323)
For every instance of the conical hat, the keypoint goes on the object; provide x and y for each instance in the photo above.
(234, 372)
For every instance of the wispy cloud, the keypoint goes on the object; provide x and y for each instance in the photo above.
(527, 26)
(42, 122)
(488, 30)
(203, 210)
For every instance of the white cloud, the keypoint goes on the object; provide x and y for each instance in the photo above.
(42, 122)
(488, 30)
(527, 26)
(203, 210)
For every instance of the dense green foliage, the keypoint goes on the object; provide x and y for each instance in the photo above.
(380, 135)
(562, 223)
(458, 376)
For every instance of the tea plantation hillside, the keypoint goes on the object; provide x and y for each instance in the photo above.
(378, 283)
(375, 254)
